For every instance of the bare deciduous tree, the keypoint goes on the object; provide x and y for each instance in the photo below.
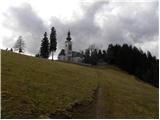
(19, 45)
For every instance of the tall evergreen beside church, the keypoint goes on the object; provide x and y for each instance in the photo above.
(53, 42)
(44, 50)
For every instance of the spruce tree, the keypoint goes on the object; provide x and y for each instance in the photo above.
(87, 56)
(100, 54)
(94, 57)
(44, 50)
(53, 42)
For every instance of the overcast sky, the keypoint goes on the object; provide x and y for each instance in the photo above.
(101, 22)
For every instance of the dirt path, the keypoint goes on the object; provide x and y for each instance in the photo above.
(100, 104)
(94, 110)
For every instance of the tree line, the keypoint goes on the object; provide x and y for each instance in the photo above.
(129, 58)
(47, 47)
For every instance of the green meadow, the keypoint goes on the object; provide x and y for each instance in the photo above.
(39, 88)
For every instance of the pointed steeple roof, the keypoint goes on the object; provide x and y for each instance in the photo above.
(69, 36)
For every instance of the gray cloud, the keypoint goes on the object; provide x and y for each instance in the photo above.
(132, 23)
(24, 21)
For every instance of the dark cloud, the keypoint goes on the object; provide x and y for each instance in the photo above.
(24, 21)
(102, 23)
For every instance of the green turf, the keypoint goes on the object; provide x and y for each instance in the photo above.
(36, 88)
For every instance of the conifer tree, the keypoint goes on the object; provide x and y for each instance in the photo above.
(94, 57)
(53, 42)
(44, 50)
(100, 55)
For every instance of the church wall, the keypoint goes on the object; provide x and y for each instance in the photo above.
(68, 50)
(77, 59)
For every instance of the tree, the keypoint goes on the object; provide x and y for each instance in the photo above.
(37, 55)
(53, 42)
(19, 45)
(100, 55)
(94, 57)
(110, 54)
(87, 56)
(135, 61)
(92, 47)
(104, 56)
(44, 50)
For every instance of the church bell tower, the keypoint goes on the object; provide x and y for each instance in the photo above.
(68, 48)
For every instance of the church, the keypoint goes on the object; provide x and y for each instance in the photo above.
(67, 54)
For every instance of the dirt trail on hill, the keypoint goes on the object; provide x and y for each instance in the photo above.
(97, 109)
(100, 105)
(93, 110)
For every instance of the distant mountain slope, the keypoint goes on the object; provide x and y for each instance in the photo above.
(39, 88)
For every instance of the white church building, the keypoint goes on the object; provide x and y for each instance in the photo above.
(67, 54)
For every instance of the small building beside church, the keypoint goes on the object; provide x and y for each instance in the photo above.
(67, 54)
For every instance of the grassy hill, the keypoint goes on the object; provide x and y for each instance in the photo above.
(39, 88)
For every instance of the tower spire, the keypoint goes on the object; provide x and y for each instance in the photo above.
(69, 36)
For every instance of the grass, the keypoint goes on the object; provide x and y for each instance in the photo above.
(36, 88)
(127, 97)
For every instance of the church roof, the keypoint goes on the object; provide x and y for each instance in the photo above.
(76, 54)
(69, 36)
(62, 52)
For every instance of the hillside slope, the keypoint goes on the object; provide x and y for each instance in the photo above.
(39, 88)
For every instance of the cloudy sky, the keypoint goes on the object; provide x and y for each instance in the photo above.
(99, 22)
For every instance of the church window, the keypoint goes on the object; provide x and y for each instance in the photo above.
(70, 47)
